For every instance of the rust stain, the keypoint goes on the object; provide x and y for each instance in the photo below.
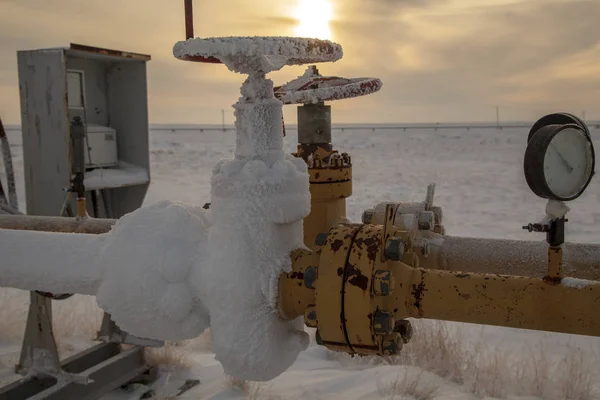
(552, 280)
(418, 292)
(337, 244)
(297, 275)
(355, 277)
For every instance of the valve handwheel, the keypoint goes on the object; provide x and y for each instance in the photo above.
(312, 88)
(248, 55)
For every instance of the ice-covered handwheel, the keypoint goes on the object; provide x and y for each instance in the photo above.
(312, 88)
(249, 55)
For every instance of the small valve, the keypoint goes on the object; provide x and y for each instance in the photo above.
(554, 230)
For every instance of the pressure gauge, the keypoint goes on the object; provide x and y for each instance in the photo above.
(559, 161)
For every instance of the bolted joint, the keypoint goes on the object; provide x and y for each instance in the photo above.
(405, 329)
(367, 216)
(310, 317)
(426, 220)
(383, 323)
(383, 283)
(391, 344)
(394, 249)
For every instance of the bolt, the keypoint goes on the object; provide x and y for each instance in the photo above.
(405, 329)
(439, 215)
(310, 317)
(367, 216)
(383, 323)
(426, 220)
(423, 245)
(383, 283)
(321, 239)
(310, 276)
(391, 344)
(394, 249)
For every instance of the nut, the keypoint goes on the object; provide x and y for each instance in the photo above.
(439, 215)
(367, 216)
(383, 323)
(391, 344)
(310, 317)
(422, 245)
(310, 277)
(426, 220)
(394, 249)
(383, 283)
(321, 239)
(404, 328)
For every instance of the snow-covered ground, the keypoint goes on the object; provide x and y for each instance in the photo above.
(480, 186)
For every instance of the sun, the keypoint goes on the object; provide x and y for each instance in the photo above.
(313, 18)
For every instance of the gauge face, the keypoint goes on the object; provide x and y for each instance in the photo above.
(559, 162)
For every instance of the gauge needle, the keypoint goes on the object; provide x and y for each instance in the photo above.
(565, 163)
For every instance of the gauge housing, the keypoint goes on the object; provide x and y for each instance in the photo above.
(538, 147)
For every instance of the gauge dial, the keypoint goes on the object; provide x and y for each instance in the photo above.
(559, 162)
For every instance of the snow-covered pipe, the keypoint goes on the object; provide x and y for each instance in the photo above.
(140, 272)
(55, 263)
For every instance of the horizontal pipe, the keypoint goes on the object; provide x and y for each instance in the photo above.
(509, 257)
(567, 306)
(56, 224)
(65, 263)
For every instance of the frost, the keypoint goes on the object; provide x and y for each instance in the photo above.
(140, 271)
(259, 200)
(576, 283)
(556, 209)
(149, 256)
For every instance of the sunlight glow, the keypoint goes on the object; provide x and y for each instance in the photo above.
(313, 18)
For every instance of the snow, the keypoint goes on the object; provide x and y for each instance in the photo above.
(125, 175)
(556, 209)
(266, 54)
(577, 283)
(480, 186)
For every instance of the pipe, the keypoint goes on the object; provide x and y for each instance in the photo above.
(49, 262)
(189, 19)
(56, 224)
(8, 166)
(516, 302)
(508, 257)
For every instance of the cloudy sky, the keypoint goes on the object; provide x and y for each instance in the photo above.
(440, 60)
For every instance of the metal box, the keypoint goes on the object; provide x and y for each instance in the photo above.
(101, 143)
(107, 89)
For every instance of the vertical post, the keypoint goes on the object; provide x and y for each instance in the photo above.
(78, 137)
(189, 19)
(498, 116)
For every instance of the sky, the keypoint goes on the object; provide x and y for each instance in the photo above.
(439, 60)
